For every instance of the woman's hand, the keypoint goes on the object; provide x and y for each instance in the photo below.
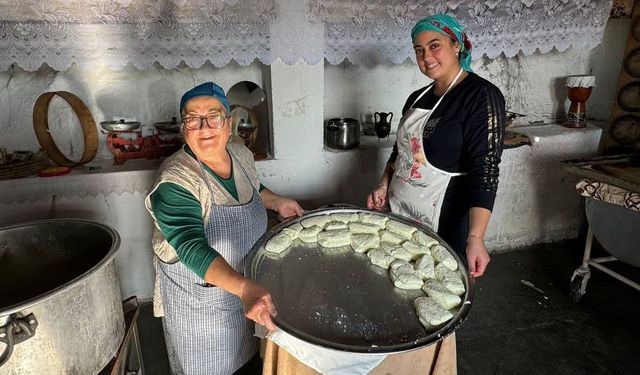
(257, 304)
(377, 199)
(477, 256)
(285, 207)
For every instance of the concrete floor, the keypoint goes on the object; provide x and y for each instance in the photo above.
(514, 328)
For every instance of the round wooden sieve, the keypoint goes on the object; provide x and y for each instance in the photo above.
(41, 128)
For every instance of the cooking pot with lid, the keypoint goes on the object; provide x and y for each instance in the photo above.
(168, 127)
(120, 125)
(342, 133)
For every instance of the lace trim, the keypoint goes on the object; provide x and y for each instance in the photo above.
(370, 32)
(143, 32)
(82, 183)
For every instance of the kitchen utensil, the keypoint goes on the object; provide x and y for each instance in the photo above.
(119, 125)
(245, 124)
(382, 125)
(512, 116)
(41, 128)
(168, 127)
(342, 133)
(60, 308)
(337, 299)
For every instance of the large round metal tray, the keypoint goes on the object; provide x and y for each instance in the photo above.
(337, 299)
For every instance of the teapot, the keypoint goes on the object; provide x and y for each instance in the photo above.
(382, 125)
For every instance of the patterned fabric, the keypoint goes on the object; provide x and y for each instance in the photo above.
(609, 193)
(417, 188)
(368, 32)
(206, 330)
(115, 33)
(471, 123)
(449, 26)
(182, 169)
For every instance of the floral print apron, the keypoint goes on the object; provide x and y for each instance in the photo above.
(417, 187)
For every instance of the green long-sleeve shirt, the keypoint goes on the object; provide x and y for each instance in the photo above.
(179, 216)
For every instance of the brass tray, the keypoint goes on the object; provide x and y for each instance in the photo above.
(337, 299)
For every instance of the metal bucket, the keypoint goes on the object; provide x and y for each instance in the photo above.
(60, 308)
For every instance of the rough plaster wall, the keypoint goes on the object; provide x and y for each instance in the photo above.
(302, 96)
(532, 85)
(536, 200)
(147, 96)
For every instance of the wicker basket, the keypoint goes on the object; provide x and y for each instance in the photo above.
(24, 168)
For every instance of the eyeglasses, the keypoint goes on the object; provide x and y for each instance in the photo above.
(213, 121)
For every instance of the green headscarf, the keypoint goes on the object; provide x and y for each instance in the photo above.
(449, 26)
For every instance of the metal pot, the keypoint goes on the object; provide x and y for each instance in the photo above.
(168, 127)
(60, 308)
(120, 125)
(342, 133)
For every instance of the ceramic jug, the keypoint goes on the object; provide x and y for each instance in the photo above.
(382, 124)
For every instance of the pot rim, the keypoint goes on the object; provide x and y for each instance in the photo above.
(115, 246)
(342, 120)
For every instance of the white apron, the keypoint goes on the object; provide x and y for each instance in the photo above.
(417, 188)
(205, 328)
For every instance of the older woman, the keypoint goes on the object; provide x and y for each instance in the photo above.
(209, 210)
(443, 170)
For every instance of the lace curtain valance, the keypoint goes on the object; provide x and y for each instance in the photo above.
(143, 32)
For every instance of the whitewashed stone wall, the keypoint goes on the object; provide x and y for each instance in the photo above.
(301, 97)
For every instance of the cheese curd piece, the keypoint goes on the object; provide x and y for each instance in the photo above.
(403, 275)
(333, 225)
(359, 228)
(401, 266)
(400, 253)
(406, 281)
(431, 313)
(401, 229)
(441, 294)
(319, 221)
(441, 255)
(415, 249)
(373, 219)
(423, 239)
(278, 243)
(380, 258)
(449, 279)
(363, 242)
(309, 234)
(344, 217)
(293, 230)
(425, 267)
(386, 236)
(334, 238)
(396, 251)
